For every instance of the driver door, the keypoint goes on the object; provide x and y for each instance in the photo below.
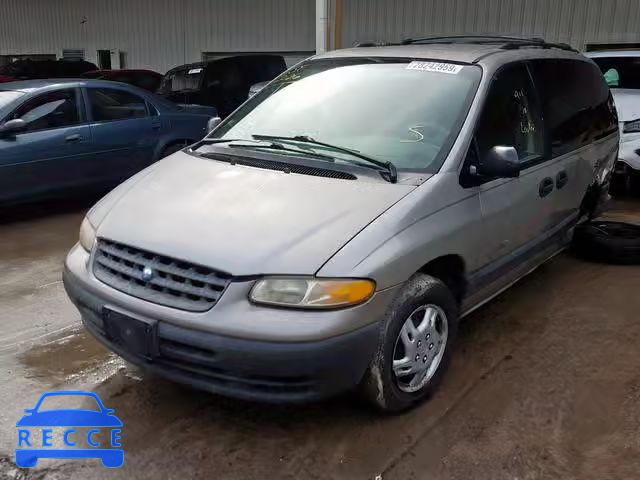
(48, 155)
(515, 211)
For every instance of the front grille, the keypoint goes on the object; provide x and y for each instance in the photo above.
(174, 283)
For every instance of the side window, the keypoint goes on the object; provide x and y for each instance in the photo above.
(511, 116)
(51, 110)
(110, 105)
(576, 101)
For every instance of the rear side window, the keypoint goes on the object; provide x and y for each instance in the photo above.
(50, 110)
(576, 101)
(110, 105)
(511, 116)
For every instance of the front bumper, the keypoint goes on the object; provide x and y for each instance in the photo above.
(248, 368)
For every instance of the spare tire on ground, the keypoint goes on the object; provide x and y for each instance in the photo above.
(610, 242)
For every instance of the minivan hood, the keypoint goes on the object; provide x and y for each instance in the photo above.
(627, 103)
(244, 220)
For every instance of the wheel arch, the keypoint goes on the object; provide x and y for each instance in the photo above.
(451, 270)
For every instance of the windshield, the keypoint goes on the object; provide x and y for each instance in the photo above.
(397, 110)
(182, 80)
(8, 96)
(620, 72)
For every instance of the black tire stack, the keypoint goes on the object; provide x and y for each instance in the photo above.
(608, 242)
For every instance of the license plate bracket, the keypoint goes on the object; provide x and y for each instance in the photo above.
(136, 336)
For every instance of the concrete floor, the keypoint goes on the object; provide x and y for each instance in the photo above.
(545, 383)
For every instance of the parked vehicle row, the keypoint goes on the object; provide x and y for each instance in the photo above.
(59, 136)
(56, 135)
(223, 83)
(331, 232)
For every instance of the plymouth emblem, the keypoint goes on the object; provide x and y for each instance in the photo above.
(147, 274)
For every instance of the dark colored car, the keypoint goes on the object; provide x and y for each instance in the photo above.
(38, 69)
(58, 135)
(147, 79)
(222, 83)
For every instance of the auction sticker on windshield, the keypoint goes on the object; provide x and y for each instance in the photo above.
(86, 432)
(449, 68)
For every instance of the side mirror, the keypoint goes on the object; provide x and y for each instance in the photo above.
(213, 123)
(499, 162)
(12, 127)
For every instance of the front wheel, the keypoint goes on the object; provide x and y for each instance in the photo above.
(415, 345)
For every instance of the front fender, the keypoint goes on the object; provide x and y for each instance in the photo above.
(439, 218)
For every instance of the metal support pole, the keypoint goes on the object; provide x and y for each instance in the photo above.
(321, 25)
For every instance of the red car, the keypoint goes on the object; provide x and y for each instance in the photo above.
(147, 79)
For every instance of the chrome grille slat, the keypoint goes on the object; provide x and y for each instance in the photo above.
(186, 288)
(175, 283)
(159, 266)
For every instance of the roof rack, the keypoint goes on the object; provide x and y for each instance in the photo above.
(507, 42)
(373, 44)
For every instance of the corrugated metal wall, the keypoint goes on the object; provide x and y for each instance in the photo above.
(157, 34)
(160, 34)
(577, 22)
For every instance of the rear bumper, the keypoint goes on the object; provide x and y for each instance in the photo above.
(241, 368)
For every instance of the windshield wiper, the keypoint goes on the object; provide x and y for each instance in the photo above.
(228, 140)
(282, 148)
(256, 143)
(390, 168)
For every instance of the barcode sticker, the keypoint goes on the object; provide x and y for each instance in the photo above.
(449, 68)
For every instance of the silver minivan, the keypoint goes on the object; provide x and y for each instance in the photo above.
(330, 233)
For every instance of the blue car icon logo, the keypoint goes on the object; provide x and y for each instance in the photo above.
(70, 423)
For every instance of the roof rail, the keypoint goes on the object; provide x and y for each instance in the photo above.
(506, 41)
(372, 44)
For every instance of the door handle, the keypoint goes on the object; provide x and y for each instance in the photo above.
(546, 187)
(561, 179)
(155, 124)
(73, 138)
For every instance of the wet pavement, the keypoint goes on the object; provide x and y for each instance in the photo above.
(545, 383)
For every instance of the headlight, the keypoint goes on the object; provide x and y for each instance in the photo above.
(311, 292)
(87, 235)
(632, 126)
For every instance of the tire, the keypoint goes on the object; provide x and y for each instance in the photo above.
(381, 386)
(625, 183)
(173, 148)
(609, 242)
